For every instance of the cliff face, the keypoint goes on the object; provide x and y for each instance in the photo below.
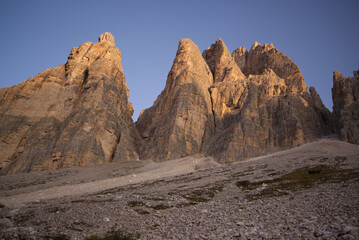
(268, 109)
(76, 114)
(258, 102)
(180, 120)
(229, 106)
(345, 93)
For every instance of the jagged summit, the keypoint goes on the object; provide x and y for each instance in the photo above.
(212, 108)
(107, 38)
(180, 119)
(261, 57)
(227, 106)
(77, 114)
(221, 63)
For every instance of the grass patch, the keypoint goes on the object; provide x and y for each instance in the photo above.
(134, 204)
(204, 194)
(299, 179)
(159, 207)
(115, 234)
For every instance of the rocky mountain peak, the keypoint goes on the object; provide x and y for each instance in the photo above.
(180, 119)
(77, 114)
(265, 56)
(221, 63)
(228, 106)
(337, 76)
(255, 44)
(107, 38)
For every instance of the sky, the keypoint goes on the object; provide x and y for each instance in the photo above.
(319, 36)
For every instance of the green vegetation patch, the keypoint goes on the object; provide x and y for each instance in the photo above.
(159, 207)
(204, 194)
(299, 179)
(142, 204)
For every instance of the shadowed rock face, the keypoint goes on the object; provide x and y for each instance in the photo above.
(264, 111)
(232, 115)
(76, 114)
(345, 93)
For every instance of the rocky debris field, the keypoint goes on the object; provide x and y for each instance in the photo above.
(308, 192)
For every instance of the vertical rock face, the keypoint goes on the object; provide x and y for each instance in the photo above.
(209, 106)
(264, 111)
(228, 106)
(240, 57)
(180, 120)
(322, 111)
(266, 56)
(345, 93)
(221, 63)
(76, 114)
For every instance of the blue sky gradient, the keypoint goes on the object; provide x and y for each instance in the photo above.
(319, 36)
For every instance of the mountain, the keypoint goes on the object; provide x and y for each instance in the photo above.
(76, 114)
(181, 118)
(247, 104)
(227, 106)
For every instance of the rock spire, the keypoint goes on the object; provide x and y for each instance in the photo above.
(77, 114)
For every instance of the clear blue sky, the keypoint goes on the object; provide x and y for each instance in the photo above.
(319, 36)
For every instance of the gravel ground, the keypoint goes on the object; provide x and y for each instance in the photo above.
(309, 192)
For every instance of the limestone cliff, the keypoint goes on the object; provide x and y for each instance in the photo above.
(180, 120)
(229, 106)
(210, 107)
(262, 57)
(76, 114)
(345, 93)
(267, 110)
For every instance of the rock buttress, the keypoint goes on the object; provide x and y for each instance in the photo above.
(77, 114)
(180, 120)
(345, 93)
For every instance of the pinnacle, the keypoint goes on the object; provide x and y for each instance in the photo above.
(255, 44)
(107, 38)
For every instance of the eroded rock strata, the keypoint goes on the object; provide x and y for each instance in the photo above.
(76, 114)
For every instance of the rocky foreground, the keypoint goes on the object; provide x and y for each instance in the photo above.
(309, 192)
